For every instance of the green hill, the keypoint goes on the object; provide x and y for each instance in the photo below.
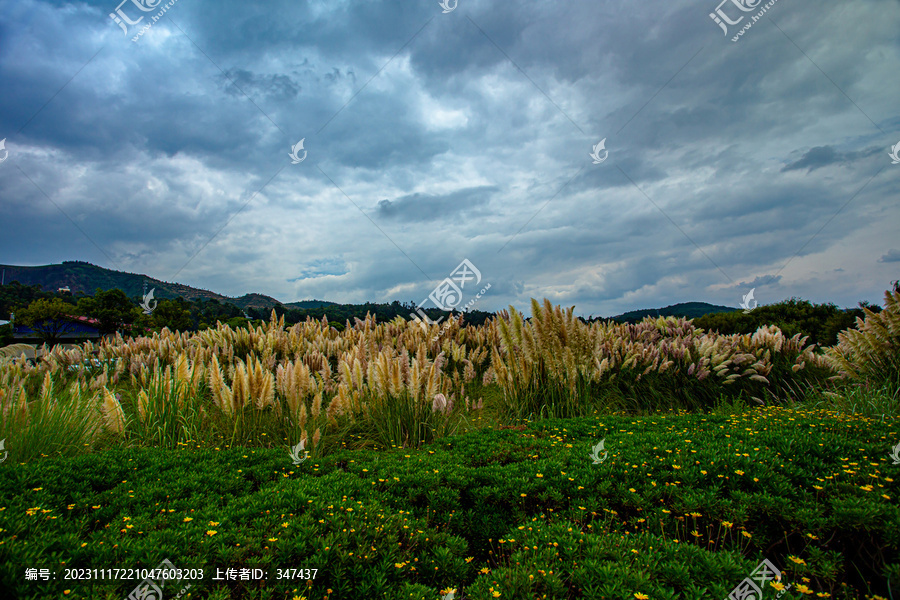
(85, 278)
(688, 310)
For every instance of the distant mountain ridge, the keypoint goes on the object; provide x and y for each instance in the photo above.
(688, 310)
(84, 277)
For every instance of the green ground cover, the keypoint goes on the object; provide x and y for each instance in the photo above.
(680, 506)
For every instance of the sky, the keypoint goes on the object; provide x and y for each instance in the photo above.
(609, 156)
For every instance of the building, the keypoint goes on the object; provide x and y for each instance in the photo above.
(77, 330)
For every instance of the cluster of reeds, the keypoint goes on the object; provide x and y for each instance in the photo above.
(60, 418)
(267, 384)
(867, 359)
(872, 350)
(557, 365)
(405, 383)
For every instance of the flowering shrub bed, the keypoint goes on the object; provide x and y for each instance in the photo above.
(682, 506)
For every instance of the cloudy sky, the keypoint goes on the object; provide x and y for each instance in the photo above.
(433, 136)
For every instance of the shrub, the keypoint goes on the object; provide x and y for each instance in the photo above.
(820, 323)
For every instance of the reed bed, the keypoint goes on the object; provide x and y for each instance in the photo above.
(404, 384)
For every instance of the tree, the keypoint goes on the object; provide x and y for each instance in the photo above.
(237, 322)
(142, 324)
(819, 322)
(14, 295)
(172, 314)
(50, 319)
(866, 304)
(112, 308)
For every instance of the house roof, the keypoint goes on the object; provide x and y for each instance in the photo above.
(84, 319)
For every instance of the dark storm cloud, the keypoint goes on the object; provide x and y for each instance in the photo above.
(823, 156)
(275, 87)
(426, 207)
(458, 134)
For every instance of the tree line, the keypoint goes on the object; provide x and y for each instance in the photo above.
(50, 314)
(53, 314)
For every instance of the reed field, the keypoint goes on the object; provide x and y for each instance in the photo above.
(402, 460)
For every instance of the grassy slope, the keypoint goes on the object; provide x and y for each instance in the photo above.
(526, 514)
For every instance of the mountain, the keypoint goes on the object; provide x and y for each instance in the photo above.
(85, 278)
(688, 310)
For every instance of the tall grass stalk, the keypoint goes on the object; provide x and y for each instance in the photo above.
(867, 398)
(399, 420)
(62, 421)
(546, 397)
(165, 414)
